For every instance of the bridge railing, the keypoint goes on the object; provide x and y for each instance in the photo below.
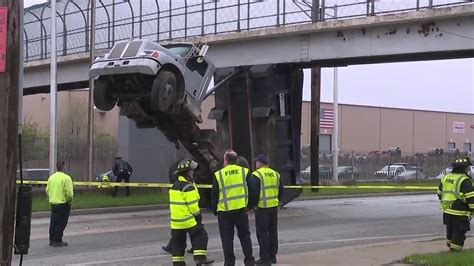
(161, 20)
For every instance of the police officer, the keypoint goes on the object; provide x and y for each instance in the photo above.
(60, 192)
(232, 196)
(270, 191)
(186, 216)
(457, 202)
(122, 170)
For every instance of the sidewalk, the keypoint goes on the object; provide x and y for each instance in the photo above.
(387, 253)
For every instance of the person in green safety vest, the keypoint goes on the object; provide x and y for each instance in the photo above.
(232, 197)
(456, 195)
(270, 192)
(186, 217)
(60, 191)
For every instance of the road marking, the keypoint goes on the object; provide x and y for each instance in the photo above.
(256, 246)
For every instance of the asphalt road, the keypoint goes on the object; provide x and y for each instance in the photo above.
(136, 238)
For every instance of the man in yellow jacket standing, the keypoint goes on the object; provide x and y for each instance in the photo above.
(270, 192)
(186, 216)
(60, 192)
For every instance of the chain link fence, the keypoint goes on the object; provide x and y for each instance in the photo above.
(385, 165)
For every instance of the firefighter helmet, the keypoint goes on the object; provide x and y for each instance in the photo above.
(461, 162)
(186, 165)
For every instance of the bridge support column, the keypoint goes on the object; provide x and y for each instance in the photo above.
(259, 111)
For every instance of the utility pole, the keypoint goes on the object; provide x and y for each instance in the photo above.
(90, 109)
(53, 157)
(315, 108)
(335, 129)
(10, 27)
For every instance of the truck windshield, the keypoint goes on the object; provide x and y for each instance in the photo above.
(179, 50)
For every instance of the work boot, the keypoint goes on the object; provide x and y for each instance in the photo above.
(262, 262)
(59, 244)
(166, 249)
(203, 260)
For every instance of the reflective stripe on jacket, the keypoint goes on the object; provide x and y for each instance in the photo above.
(184, 204)
(60, 188)
(269, 185)
(451, 186)
(233, 190)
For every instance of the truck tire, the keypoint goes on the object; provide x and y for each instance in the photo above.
(164, 91)
(103, 100)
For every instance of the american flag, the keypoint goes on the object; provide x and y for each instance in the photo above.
(326, 118)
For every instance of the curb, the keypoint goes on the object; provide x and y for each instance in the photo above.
(368, 195)
(121, 209)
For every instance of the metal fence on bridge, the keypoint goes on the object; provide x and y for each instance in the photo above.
(161, 20)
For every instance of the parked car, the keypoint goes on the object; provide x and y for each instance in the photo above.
(34, 174)
(325, 172)
(449, 169)
(411, 174)
(394, 170)
(110, 174)
(345, 172)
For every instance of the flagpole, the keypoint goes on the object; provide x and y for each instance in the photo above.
(335, 129)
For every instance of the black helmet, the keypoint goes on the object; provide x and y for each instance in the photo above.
(186, 165)
(461, 162)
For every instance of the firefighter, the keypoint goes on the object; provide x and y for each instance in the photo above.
(270, 191)
(457, 202)
(122, 171)
(186, 217)
(60, 191)
(232, 197)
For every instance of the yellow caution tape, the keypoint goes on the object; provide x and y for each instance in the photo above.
(167, 185)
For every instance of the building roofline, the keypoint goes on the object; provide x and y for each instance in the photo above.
(397, 108)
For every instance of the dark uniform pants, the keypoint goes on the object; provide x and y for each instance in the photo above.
(122, 176)
(456, 228)
(266, 223)
(227, 221)
(58, 222)
(199, 240)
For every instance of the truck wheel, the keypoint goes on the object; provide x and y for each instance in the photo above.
(164, 90)
(103, 99)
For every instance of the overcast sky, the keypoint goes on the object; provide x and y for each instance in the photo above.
(446, 85)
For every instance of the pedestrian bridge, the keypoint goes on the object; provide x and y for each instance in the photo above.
(246, 32)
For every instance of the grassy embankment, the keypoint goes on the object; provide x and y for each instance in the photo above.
(444, 258)
(97, 198)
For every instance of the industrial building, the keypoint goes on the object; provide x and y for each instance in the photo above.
(362, 129)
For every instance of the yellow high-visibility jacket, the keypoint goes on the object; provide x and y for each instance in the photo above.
(60, 188)
(184, 204)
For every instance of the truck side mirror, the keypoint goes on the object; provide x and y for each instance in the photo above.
(203, 50)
